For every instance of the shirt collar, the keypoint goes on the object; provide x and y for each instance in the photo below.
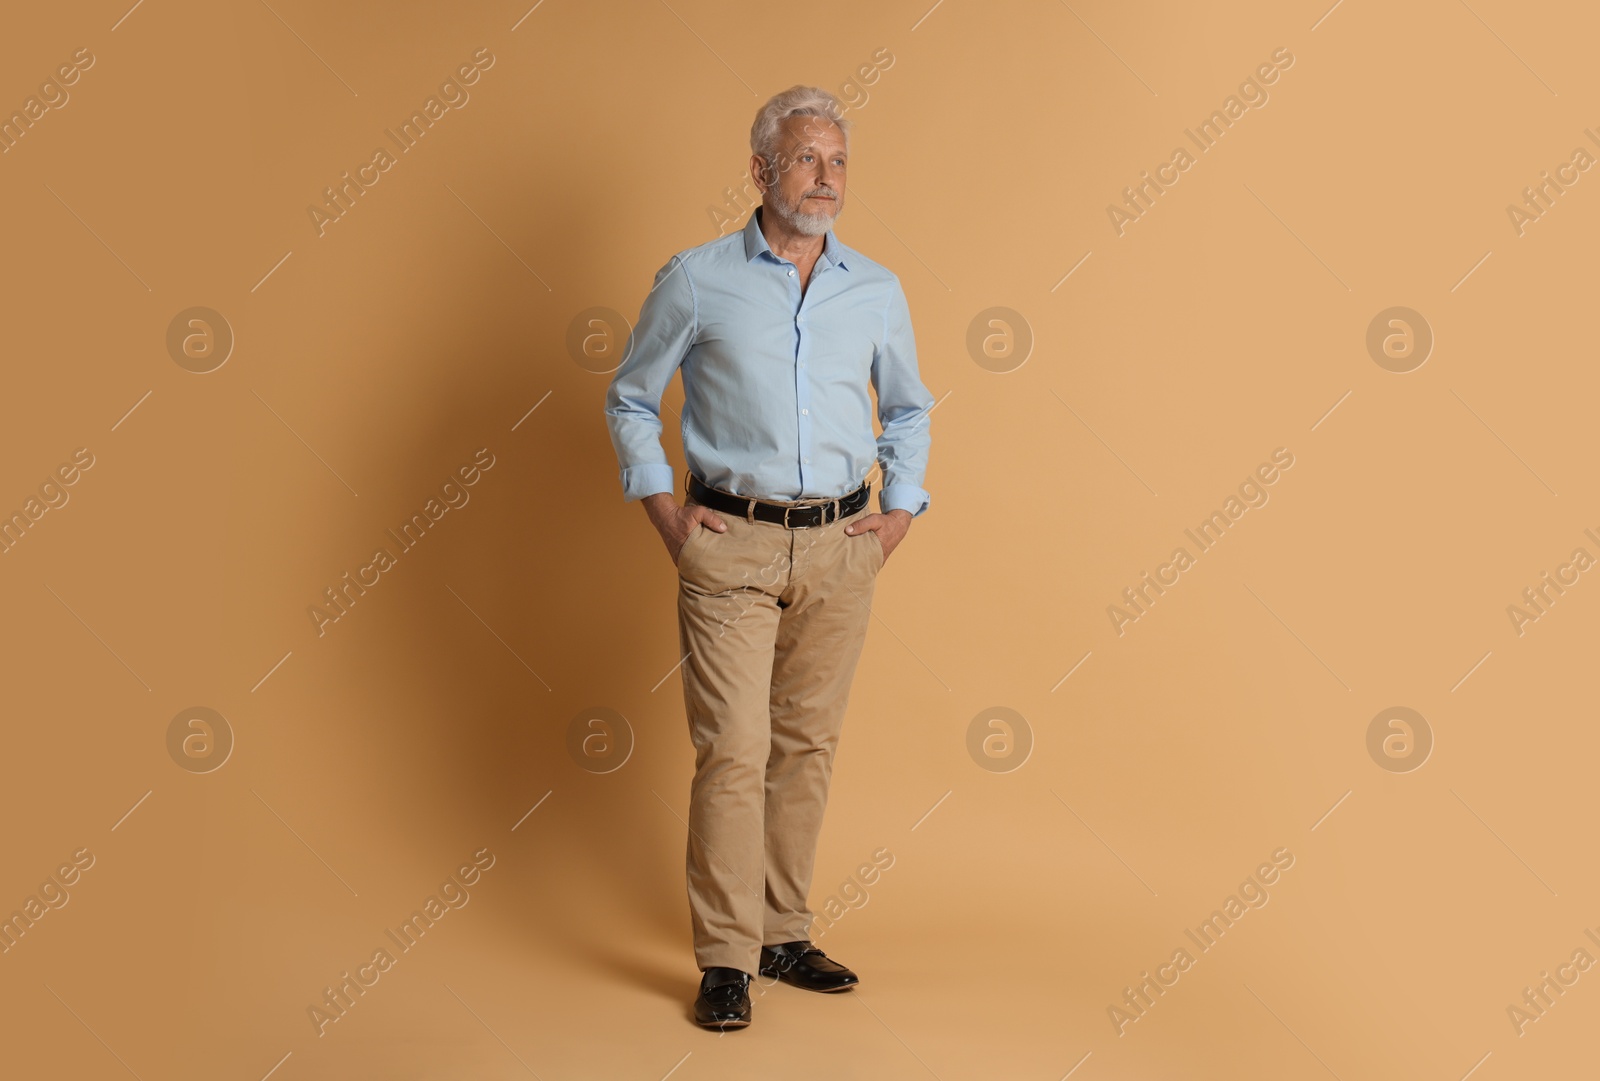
(755, 242)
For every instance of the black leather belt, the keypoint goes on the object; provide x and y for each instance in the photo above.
(801, 515)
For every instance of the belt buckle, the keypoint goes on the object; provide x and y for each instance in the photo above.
(835, 503)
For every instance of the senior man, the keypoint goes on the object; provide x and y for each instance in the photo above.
(778, 329)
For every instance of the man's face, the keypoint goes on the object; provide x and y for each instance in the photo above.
(808, 191)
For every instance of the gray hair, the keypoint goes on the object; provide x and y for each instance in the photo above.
(796, 101)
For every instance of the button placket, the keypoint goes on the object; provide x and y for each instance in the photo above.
(802, 391)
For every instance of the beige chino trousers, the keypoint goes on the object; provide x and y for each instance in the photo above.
(771, 622)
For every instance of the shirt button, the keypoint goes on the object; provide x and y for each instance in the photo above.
(791, 273)
(807, 461)
(805, 413)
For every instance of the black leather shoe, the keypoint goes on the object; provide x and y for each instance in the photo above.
(724, 999)
(802, 964)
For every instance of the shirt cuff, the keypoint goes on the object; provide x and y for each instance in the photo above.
(639, 481)
(906, 497)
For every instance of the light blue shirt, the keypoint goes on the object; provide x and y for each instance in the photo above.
(774, 384)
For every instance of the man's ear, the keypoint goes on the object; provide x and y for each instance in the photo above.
(760, 172)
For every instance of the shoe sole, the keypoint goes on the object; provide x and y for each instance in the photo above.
(722, 1024)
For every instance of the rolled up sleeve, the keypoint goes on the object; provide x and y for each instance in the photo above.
(904, 405)
(655, 349)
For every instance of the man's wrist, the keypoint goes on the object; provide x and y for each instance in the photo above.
(657, 504)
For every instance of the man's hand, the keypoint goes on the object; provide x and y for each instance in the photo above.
(891, 529)
(675, 523)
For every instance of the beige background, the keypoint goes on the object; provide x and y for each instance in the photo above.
(431, 320)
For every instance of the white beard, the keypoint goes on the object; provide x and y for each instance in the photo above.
(803, 222)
